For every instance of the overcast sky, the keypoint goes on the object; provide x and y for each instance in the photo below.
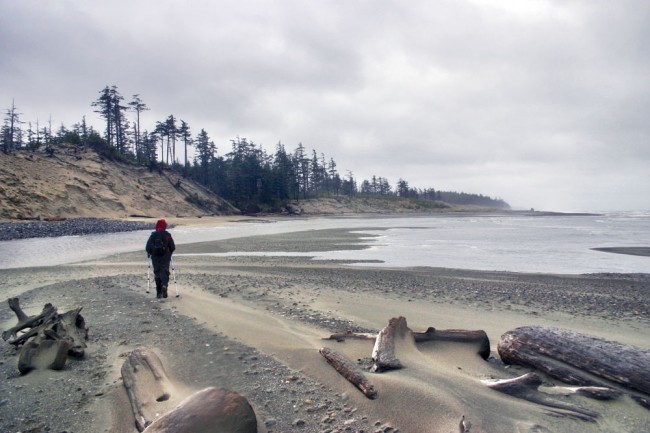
(545, 104)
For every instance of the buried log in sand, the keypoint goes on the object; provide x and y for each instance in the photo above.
(526, 388)
(457, 336)
(348, 370)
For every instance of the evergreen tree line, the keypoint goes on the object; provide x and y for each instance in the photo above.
(248, 176)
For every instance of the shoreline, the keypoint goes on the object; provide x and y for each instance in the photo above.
(39, 228)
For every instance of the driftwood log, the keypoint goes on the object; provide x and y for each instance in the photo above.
(48, 338)
(478, 337)
(602, 369)
(349, 335)
(526, 387)
(349, 370)
(211, 410)
(579, 359)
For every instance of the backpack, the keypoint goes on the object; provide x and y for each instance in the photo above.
(158, 244)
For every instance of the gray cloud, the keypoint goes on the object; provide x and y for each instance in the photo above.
(540, 103)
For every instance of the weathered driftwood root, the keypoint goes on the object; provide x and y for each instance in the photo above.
(383, 353)
(25, 322)
(211, 410)
(478, 337)
(145, 380)
(50, 337)
(579, 359)
(526, 387)
(349, 370)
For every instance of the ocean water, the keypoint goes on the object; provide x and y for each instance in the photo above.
(548, 244)
(554, 244)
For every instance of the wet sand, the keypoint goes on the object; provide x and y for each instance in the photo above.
(255, 324)
(633, 251)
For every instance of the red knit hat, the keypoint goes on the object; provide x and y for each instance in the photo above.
(161, 225)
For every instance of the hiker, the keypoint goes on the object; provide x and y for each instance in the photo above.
(160, 247)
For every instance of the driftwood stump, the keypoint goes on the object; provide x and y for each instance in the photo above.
(49, 337)
(383, 354)
(579, 359)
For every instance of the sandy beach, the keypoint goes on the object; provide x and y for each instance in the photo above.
(254, 325)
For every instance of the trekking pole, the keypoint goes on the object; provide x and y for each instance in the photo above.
(148, 274)
(174, 275)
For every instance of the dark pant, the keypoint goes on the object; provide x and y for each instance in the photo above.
(161, 273)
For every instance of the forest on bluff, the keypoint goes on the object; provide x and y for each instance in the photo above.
(250, 177)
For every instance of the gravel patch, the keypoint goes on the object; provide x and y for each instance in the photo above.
(69, 227)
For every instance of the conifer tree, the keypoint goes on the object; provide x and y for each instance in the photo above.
(186, 136)
(10, 133)
(138, 106)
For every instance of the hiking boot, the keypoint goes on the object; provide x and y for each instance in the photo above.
(159, 293)
(164, 291)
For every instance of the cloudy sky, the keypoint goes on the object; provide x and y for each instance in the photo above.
(542, 103)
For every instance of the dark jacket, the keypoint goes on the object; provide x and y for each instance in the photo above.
(171, 247)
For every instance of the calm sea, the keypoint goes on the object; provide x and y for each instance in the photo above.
(554, 244)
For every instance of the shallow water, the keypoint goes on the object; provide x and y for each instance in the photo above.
(549, 244)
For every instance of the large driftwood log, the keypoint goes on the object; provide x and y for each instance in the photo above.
(211, 410)
(457, 335)
(49, 337)
(576, 358)
(349, 370)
